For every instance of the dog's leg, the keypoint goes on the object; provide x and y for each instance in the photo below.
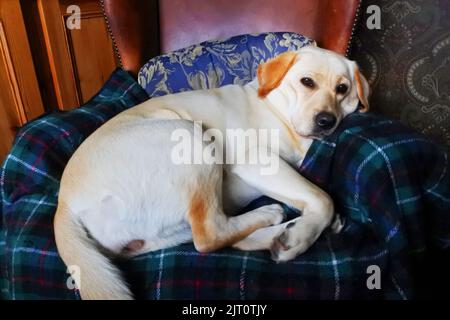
(212, 229)
(262, 239)
(286, 185)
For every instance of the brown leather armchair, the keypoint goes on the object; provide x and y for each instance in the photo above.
(144, 29)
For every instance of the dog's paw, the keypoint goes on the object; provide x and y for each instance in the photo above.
(275, 213)
(272, 214)
(338, 224)
(296, 238)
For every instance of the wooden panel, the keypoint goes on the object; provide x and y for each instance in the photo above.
(20, 98)
(9, 102)
(53, 28)
(39, 53)
(9, 80)
(21, 60)
(81, 59)
(92, 54)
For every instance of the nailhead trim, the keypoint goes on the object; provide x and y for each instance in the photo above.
(355, 24)
(108, 27)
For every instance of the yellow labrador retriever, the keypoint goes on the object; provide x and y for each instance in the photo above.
(125, 190)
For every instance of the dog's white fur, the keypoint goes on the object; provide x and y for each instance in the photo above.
(121, 190)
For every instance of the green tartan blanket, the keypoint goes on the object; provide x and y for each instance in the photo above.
(391, 185)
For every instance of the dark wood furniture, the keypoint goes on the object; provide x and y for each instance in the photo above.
(71, 63)
(44, 65)
(20, 98)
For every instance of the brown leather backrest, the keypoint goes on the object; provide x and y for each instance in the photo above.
(142, 29)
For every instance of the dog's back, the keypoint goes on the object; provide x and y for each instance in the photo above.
(109, 195)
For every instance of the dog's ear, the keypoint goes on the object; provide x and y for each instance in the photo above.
(363, 89)
(272, 72)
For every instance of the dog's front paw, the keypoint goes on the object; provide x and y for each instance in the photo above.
(274, 213)
(293, 241)
(338, 224)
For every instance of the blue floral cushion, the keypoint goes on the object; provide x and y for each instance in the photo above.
(212, 64)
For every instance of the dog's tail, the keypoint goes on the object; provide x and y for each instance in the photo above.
(94, 274)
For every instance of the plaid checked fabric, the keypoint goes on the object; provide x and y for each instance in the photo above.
(391, 186)
(30, 267)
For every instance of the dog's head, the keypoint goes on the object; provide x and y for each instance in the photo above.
(313, 88)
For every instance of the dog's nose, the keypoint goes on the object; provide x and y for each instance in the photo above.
(325, 120)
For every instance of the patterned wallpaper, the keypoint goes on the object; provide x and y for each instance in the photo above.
(407, 63)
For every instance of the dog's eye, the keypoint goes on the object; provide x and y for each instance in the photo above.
(341, 88)
(307, 82)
